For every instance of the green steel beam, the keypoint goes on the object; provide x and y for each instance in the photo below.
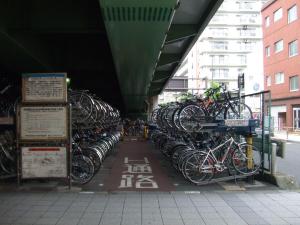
(166, 59)
(178, 32)
(160, 75)
(136, 31)
(204, 19)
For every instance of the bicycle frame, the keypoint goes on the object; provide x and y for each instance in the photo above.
(211, 151)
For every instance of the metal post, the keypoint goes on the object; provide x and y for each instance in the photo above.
(70, 147)
(249, 155)
(273, 159)
(239, 108)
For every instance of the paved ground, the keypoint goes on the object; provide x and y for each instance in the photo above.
(290, 164)
(283, 135)
(109, 178)
(214, 204)
(150, 208)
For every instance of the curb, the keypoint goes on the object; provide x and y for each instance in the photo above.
(286, 140)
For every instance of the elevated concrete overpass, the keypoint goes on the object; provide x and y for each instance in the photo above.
(123, 50)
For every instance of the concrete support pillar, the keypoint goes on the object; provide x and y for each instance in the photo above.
(153, 103)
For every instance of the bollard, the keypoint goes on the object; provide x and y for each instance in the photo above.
(273, 159)
(146, 132)
(249, 155)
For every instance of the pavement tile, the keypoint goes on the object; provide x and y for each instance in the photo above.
(190, 216)
(67, 221)
(214, 222)
(152, 222)
(91, 215)
(193, 222)
(204, 209)
(47, 221)
(53, 215)
(173, 222)
(89, 221)
(26, 221)
(116, 221)
(72, 215)
(7, 220)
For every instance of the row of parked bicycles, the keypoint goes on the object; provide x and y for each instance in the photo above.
(203, 155)
(192, 114)
(8, 153)
(94, 134)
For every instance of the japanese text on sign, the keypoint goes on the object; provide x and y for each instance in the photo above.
(42, 162)
(43, 123)
(138, 174)
(44, 88)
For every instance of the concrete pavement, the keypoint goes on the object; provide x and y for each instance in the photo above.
(150, 208)
(287, 136)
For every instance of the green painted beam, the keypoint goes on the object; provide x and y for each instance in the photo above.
(160, 75)
(166, 59)
(188, 31)
(136, 31)
(155, 85)
(178, 32)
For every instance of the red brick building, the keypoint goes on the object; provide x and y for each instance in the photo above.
(281, 37)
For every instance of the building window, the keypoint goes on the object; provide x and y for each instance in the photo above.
(219, 32)
(279, 46)
(294, 83)
(246, 46)
(292, 14)
(243, 59)
(277, 14)
(219, 45)
(219, 73)
(279, 78)
(246, 32)
(269, 81)
(246, 5)
(293, 48)
(267, 21)
(268, 51)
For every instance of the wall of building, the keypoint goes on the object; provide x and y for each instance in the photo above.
(281, 61)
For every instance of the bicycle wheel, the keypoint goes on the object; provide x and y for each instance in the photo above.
(243, 164)
(191, 118)
(82, 169)
(199, 167)
(93, 154)
(238, 110)
(82, 106)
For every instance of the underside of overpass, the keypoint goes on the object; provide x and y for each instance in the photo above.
(123, 51)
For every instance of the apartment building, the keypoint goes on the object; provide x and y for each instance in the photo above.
(222, 51)
(281, 34)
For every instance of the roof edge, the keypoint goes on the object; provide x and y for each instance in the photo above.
(267, 4)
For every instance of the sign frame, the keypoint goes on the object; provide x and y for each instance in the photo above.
(27, 77)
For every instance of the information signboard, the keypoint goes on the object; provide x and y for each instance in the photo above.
(236, 123)
(44, 87)
(43, 123)
(44, 162)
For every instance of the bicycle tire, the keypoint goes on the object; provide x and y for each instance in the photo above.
(82, 169)
(191, 118)
(199, 167)
(232, 111)
(240, 159)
